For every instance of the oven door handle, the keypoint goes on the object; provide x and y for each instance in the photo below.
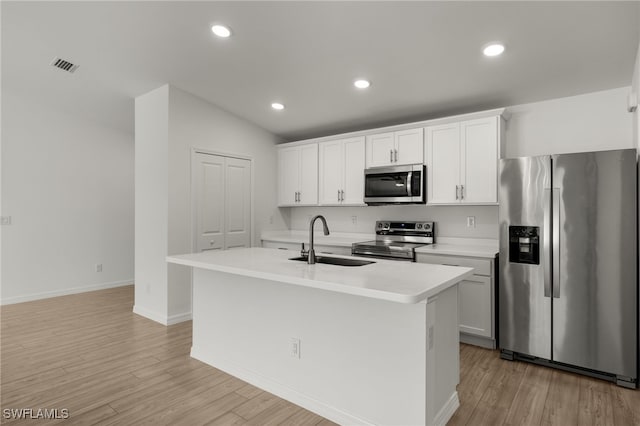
(409, 179)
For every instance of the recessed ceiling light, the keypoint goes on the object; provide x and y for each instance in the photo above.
(221, 31)
(277, 105)
(493, 49)
(361, 84)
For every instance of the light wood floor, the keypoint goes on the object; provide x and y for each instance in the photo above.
(90, 354)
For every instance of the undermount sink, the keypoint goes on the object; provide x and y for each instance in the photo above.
(335, 261)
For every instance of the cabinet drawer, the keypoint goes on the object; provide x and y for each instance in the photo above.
(480, 266)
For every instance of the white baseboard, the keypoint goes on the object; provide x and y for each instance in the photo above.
(176, 318)
(280, 390)
(484, 342)
(63, 292)
(447, 410)
(161, 318)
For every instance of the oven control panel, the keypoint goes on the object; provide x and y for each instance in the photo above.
(388, 227)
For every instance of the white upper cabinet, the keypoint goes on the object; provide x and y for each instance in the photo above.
(479, 167)
(341, 179)
(461, 157)
(395, 148)
(462, 162)
(298, 175)
(443, 163)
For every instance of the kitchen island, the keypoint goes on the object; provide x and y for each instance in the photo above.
(373, 344)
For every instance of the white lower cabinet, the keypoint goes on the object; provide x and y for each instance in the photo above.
(476, 295)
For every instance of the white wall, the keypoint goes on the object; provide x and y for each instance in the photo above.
(189, 122)
(450, 221)
(151, 202)
(589, 122)
(67, 183)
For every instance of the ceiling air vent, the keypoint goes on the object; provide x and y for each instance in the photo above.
(64, 65)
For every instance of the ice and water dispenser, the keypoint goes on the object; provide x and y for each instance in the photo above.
(524, 244)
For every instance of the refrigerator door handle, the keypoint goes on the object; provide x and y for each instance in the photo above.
(555, 205)
(546, 246)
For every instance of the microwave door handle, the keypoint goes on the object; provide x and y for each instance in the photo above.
(409, 179)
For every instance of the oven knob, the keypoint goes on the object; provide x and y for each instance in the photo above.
(427, 226)
(379, 225)
(419, 226)
(386, 225)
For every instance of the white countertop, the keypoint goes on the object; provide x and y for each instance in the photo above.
(403, 282)
(471, 247)
(451, 246)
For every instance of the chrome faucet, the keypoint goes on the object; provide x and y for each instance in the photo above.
(312, 254)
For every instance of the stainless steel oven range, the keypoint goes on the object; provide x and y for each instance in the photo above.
(396, 240)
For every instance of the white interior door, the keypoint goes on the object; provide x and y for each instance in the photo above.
(237, 203)
(222, 202)
(209, 201)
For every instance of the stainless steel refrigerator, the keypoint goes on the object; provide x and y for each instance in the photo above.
(568, 280)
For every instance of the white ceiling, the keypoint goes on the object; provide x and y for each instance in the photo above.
(424, 58)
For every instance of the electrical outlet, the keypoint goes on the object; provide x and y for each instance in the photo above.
(6, 220)
(354, 220)
(295, 347)
(471, 221)
(98, 267)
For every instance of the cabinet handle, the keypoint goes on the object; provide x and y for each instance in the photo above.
(342, 195)
(462, 192)
(391, 156)
(395, 151)
(338, 195)
(457, 196)
(299, 196)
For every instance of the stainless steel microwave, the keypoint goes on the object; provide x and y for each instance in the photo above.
(395, 185)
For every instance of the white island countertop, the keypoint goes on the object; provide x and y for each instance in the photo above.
(396, 281)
